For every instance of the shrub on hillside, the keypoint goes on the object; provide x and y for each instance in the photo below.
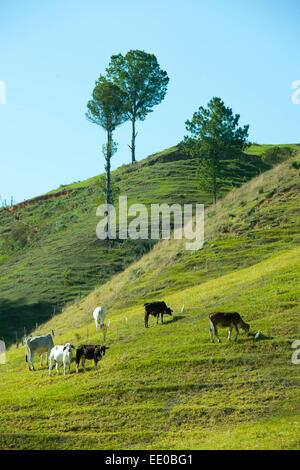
(59, 224)
(274, 155)
(18, 236)
(295, 165)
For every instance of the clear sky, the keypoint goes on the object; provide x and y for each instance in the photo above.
(52, 51)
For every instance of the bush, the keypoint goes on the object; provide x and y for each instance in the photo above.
(295, 165)
(59, 225)
(274, 155)
(211, 213)
(135, 274)
(19, 236)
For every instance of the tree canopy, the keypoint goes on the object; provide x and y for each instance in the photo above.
(215, 135)
(108, 110)
(108, 105)
(139, 75)
(214, 130)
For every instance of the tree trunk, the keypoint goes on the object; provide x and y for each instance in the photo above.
(133, 136)
(107, 167)
(215, 163)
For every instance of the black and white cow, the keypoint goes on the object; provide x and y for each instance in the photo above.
(89, 351)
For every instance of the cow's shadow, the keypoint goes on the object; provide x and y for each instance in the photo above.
(260, 338)
(174, 319)
(245, 339)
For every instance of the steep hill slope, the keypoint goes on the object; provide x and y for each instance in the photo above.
(168, 387)
(49, 253)
(252, 223)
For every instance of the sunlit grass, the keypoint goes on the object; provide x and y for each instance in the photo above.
(169, 387)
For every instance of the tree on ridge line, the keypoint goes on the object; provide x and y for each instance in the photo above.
(215, 135)
(139, 75)
(107, 109)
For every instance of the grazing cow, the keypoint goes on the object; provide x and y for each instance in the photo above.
(156, 308)
(99, 315)
(38, 345)
(61, 355)
(89, 351)
(226, 319)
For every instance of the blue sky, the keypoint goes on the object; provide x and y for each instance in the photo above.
(52, 51)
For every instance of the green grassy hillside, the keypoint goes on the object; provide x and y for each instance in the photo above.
(168, 387)
(49, 253)
(249, 225)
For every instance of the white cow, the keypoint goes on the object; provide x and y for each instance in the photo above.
(99, 315)
(38, 345)
(62, 355)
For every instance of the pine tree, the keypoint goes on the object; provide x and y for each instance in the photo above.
(215, 136)
(139, 75)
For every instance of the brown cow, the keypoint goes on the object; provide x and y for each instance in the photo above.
(224, 319)
(156, 308)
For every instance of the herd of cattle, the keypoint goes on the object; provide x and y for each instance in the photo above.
(62, 355)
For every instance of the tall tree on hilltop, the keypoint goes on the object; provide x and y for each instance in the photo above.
(215, 136)
(139, 75)
(107, 109)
